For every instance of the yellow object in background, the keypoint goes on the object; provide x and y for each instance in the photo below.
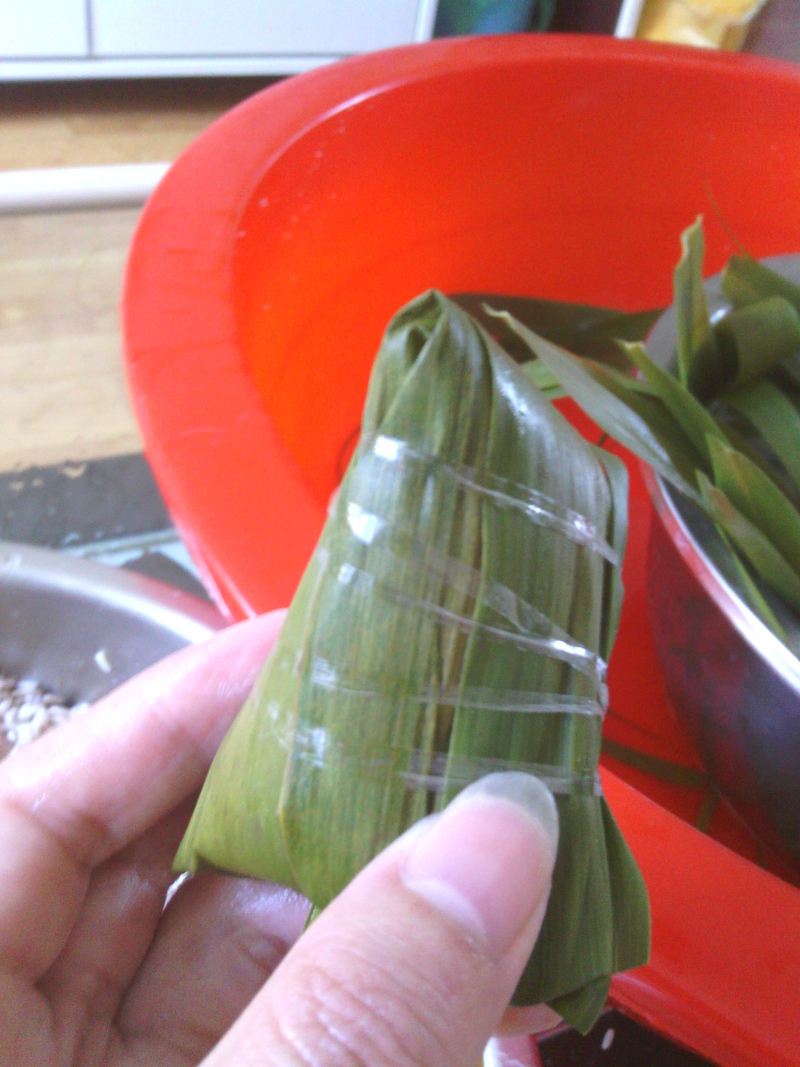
(702, 23)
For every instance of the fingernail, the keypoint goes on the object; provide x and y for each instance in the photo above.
(487, 861)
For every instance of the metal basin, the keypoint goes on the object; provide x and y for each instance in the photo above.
(80, 628)
(733, 683)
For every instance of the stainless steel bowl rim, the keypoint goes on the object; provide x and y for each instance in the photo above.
(171, 608)
(747, 623)
(752, 629)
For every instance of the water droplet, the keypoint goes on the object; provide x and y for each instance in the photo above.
(73, 470)
(102, 660)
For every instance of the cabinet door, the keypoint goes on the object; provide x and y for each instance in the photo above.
(42, 28)
(248, 27)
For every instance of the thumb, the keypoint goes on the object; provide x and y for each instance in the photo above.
(414, 963)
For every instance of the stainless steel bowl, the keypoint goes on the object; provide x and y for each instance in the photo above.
(733, 683)
(80, 628)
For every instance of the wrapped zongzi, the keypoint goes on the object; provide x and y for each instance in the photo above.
(455, 619)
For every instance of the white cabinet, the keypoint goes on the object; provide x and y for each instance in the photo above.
(139, 38)
(30, 28)
(248, 27)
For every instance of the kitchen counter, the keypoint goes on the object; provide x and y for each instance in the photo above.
(72, 473)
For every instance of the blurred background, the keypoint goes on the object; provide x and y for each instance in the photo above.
(96, 99)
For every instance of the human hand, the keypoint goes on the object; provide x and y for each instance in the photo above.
(413, 964)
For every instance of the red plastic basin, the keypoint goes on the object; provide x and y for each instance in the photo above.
(271, 257)
(274, 252)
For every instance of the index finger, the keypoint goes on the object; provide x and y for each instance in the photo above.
(79, 794)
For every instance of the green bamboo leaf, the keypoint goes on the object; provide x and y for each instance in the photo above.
(696, 422)
(695, 345)
(788, 375)
(544, 12)
(758, 550)
(543, 378)
(586, 330)
(706, 811)
(628, 896)
(759, 499)
(757, 337)
(627, 410)
(547, 383)
(664, 770)
(451, 622)
(775, 418)
(745, 281)
(616, 534)
(581, 1005)
(755, 595)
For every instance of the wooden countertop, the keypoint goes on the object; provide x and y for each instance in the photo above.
(62, 388)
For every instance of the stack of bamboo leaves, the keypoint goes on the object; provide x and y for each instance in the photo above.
(455, 619)
(724, 429)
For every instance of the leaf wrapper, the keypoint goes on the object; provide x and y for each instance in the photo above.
(588, 331)
(698, 355)
(628, 409)
(773, 415)
(455, 619)
(724, 429)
